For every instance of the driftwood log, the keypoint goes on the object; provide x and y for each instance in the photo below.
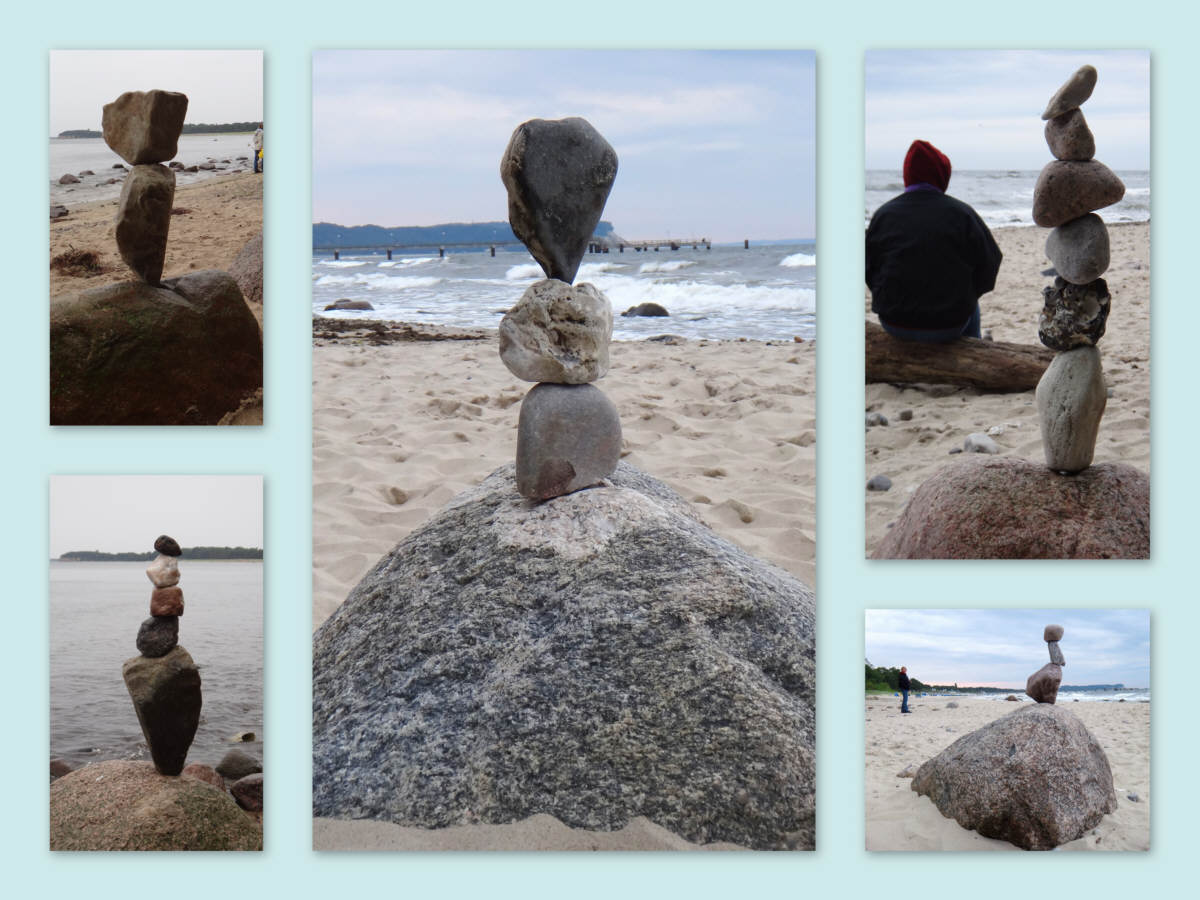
(968, 362)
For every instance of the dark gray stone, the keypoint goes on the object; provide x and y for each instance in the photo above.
(57, 211)
(558, 174)
(568, 438)
(248, 792)
(1043, 684)
(558, 333)
(1079, 249)
(1052, 633)
(1056, 654)
(879, 483)
(59, 768)
(143, 127)
(143, 219)
(167, 546)
(1073, 93)
(1070, 401)
(166, 696)
(876, 418)
(1067, 189)
(237, 764)
(905, 415)
(346, 303)
(247, 269)
(596, 658)
(158, 635)
(1035, 777)
(646, 309)
(1070, 138)
(1073, 315)
(68, 179)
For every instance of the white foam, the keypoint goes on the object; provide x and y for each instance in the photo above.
(524, 272)
(670, 265)
(689, 297)
(374, 281)
(796, 260)
(342, 263)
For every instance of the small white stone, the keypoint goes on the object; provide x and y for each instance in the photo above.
(164, 571)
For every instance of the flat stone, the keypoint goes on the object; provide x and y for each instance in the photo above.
(557, 333)
(1052, 633)
(1068, 189)
(1073, 93)
(167, 546)
(158, 635)
(1043, 684)
(568, 438)
(347, 303)
(978, 442)
(1056, 654)
(166, 696)
(1071, 397)
(558, 174)
(143, 219)
(1073, 315)
(879, 483)
(1079, 249)
(248, 792)
(164, 571)
(238, 764)
(1069, 137)
(144, 126)
(166, 601)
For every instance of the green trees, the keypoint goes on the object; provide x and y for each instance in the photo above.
(888, 679)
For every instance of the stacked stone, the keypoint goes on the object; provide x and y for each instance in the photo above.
(143, 128)
(1071, 394)
(1043, 684)
(164, 682)
(558, 174)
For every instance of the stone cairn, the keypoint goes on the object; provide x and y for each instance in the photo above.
(558, 174)
(143, 128)
(1071, 394)
(164, 682)
(1043, 684)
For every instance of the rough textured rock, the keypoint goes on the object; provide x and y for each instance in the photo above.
(238, 764)
(1073, 315)
(1043, 684)
(247, 269)
(978, 442)
(1073, 93)
(184, 353)
(598, 657)
(166, 695)
(1035, 777)
(1070, 400)
(205, 773)
(248, 792)
(164, 571)
(557, 333)
(59, 768)
(1069, 137)
(143, 219)
(646, 309)
(57, 211)
(568, 438)
(1052, 633)
(166, 601)
(346, 303)
(158, 635)
(1056, 654)
(982, 507)
(1079, 249)
(144, 126)
(122, 805)
(558, 174)
(1067, 189)
(167, 546)
(68, 179)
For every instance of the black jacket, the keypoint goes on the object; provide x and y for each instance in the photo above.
(929, 259)
(903, 682)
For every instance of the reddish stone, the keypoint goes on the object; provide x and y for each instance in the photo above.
(166, 601)
(1043, 684)
(204, 773)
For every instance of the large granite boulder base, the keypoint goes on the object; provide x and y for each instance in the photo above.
(1035, 778)
(596, 657)
(183, 353)
(166, 695)
(124, 805)
(1007, 508)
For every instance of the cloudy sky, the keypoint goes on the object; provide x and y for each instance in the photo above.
(119, 513)
(222, 85)
(983, 108)
(1003, 647)
(710, 144)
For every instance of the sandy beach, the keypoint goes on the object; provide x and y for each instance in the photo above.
(900, 819)
(909, 452)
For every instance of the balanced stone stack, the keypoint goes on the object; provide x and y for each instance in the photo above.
(164, 682)
(558, 174)
(1043, 684)
(1071, 394)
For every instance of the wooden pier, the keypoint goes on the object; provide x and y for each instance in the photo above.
(654, 244)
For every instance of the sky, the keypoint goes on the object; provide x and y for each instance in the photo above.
(125, 513)
(222, 85)
(983, 108)
(1003, 647)
(709, 144)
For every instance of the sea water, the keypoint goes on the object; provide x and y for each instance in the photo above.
(95, 611)
(1005, 198)
(767, 292)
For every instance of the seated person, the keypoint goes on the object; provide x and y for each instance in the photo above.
(929, 256)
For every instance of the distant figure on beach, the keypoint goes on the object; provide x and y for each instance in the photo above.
(904, 684)
(258, 148)
(929, 256)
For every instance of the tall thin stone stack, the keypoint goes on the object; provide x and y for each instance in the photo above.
(1071, 394)
(558, 174)
(1043, 684)
(164, 682)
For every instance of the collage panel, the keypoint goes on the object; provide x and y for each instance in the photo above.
(156, 721)
(1007, 352)
(156, 218)
(563, 450)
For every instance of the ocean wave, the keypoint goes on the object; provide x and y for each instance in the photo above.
(523, 272)
(342, 263)
(796, 260)
(589, 269)
(689, 297)
(374, 281)
(670, 265)
(407, 263)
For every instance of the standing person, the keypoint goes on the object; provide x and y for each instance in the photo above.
(904, 685)
(929, 256)
(258, 148)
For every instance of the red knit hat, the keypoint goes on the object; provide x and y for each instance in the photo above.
(925, 162)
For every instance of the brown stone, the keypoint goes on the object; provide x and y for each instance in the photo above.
(143, 219)
(1043, 684)
(143, 127)
(166, 601)
(1074, 92)
(204, 773)
(248, 792)
(1069, 137)
(1052, 633)
(1066, 190)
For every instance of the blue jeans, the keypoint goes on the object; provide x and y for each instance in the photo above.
(937, 335)
(904, 702)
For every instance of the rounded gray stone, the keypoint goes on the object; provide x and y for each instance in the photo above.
(1070, 400)
(144, 126)
(158, 635)
(1052, 633)
(238, 764)
(978, 442)
(1069, 137)
(1079, 249)
(1074, 92)
(144, 218)
(1073, 315)
(879, 483)
(568, 438)
(1067, 189)
(557, 333)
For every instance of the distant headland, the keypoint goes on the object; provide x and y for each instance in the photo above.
(327, 235)
(223, 128)
(188, 553)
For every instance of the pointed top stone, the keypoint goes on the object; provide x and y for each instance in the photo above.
(1073, 93)
(143, 126)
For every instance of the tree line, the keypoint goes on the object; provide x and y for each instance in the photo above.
(200, 128)
(888, 679)
(188, 553)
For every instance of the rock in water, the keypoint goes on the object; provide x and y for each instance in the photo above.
(1073, 315)
(1073, 93)
(1066, 190)
(596, 658)
(143, 127)
(123, 805)
(1069, 137)
(184, 353)
(1079, 249)
(143, 219)
(237, 764)
(557, 333)
(1071, 397)
(558, 174)
(1043, 684)
(984, 507)
(1035, 777)
(568, 438)
(158, 635)
(166, 695)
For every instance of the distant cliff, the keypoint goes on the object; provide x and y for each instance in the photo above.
(327, 234)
